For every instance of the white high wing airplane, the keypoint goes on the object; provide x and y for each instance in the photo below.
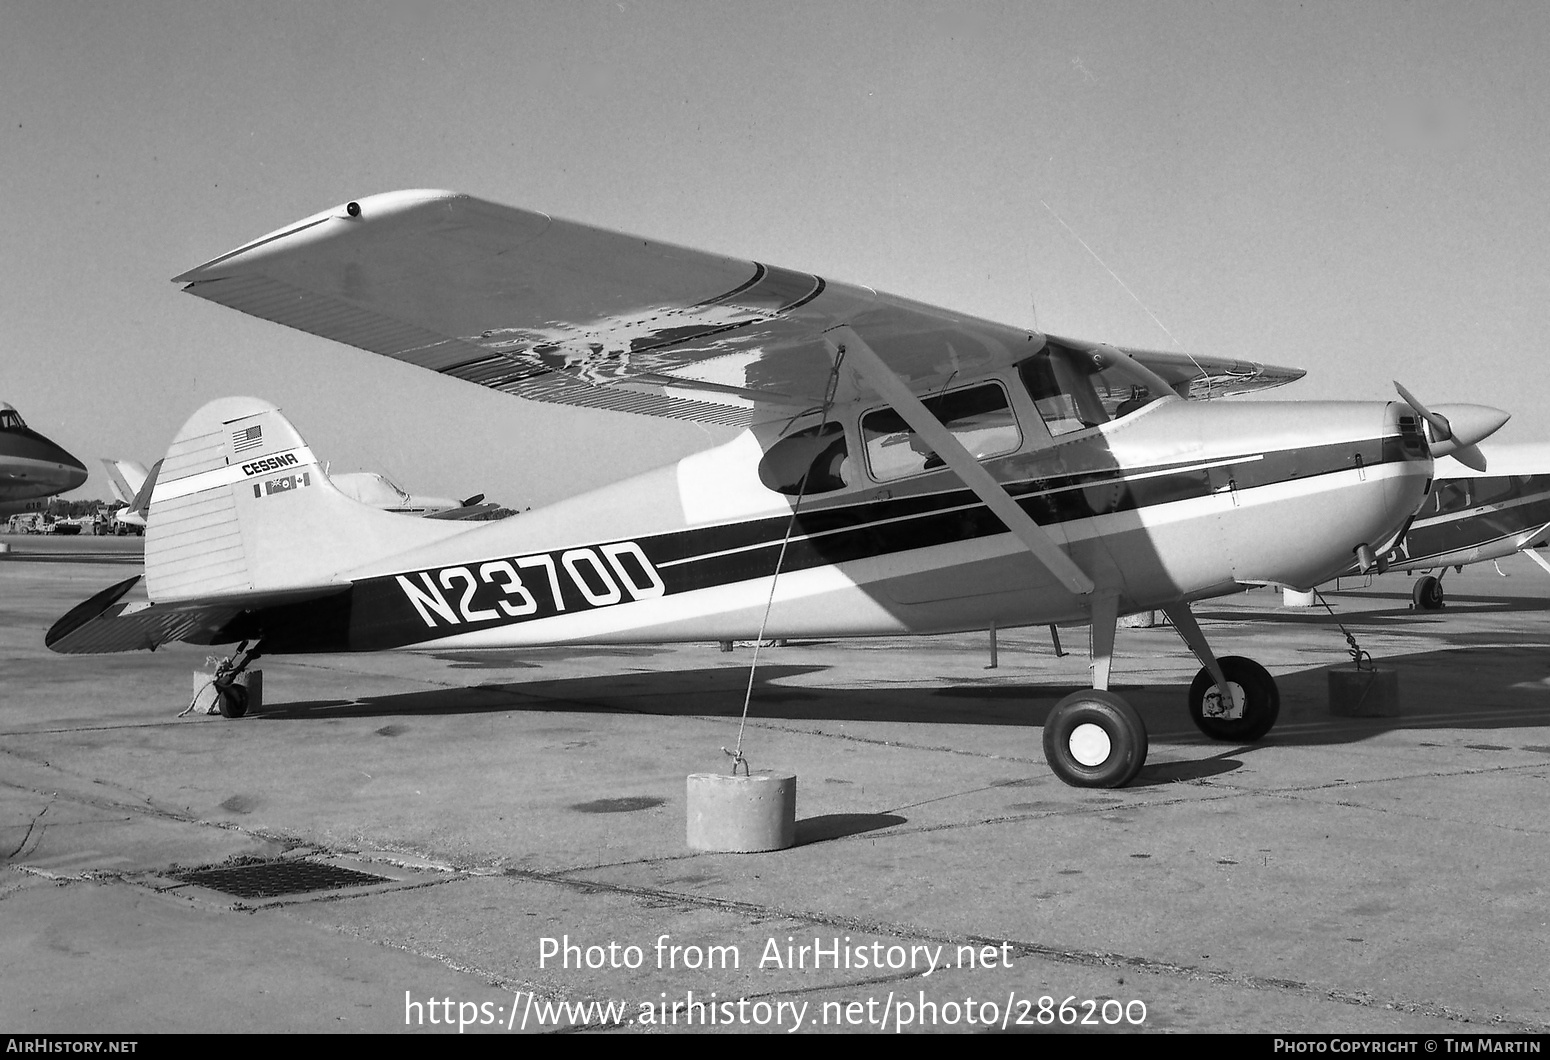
(905, 469)
(1486, 509)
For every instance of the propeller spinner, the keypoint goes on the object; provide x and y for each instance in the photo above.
(1453, 430)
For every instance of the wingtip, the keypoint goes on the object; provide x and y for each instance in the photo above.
(371, 207)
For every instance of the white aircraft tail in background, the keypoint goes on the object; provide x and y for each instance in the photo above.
(127, 479)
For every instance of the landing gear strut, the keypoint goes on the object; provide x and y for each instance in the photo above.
(1233, 698)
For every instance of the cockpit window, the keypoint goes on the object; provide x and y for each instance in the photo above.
(10, 420)
(979, 417)
(809, 461)
(1075, 389)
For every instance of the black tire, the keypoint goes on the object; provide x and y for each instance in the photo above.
(1262, 708)
(232, 700)
(1426, 594)
(1070, 749)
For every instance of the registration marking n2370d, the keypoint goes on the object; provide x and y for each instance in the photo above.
(529, 587)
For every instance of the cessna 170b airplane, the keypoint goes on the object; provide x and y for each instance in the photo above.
(904, 469)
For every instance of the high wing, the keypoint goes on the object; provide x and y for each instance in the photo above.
(562, 312)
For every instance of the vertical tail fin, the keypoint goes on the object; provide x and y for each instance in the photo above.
(126, 477)
(241, 505)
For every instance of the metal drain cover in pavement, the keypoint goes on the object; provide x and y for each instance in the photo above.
(270, 879)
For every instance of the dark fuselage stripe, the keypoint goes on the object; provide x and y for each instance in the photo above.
(377, 612)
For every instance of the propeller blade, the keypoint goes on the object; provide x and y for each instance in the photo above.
(1456, 428)
(1441, 429)
(1470, 456)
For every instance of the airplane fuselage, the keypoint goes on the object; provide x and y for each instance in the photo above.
(1179, 500)
(1475, 515)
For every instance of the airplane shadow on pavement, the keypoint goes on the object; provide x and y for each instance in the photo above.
(1465, 687)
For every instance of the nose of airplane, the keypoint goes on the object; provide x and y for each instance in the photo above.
(1453, 430)
(72, 471)
(43, 468)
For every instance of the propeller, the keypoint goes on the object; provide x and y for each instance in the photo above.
(1454, 430)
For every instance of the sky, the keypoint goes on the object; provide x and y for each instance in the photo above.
(1357, 189)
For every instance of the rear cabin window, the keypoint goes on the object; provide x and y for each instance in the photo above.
(979, 417)
(809, 461)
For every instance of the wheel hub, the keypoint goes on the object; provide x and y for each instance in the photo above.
(1090, 745)
(1213, 707)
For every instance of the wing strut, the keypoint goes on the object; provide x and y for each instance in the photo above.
(897, 393)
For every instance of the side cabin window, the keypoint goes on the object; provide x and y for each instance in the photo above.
(809, 461)
(1076, 389)
(1457, 495)
(979, 417)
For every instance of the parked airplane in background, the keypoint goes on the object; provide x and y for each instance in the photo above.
(905, 469)
(127, 479)
(379, 491)
(32, 468)
(1477, 513)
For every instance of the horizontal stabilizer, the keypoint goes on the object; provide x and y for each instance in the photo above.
(104, 624)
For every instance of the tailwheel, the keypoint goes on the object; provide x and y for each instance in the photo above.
(1253, 689)
(230, 697)
(1426, 594)
(1094, 739)
(232, 700)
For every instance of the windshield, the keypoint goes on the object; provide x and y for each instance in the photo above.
(1075, 389)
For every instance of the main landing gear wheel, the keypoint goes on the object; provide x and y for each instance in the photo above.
(1252, 685)
(1427, 593)
(232, 700)
(1094, 739)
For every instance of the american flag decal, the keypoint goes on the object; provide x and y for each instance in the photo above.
(244, 440)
